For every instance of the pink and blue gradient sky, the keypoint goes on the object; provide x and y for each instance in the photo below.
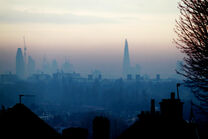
(91, 33)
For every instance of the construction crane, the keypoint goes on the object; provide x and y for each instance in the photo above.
(25, 50)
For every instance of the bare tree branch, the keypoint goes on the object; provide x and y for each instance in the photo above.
(192, 31)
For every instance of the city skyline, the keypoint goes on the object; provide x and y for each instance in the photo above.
(91, 33)
(103, 69)
(134, 68)
(50, 66)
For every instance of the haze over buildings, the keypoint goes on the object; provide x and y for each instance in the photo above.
(26, 67)
(91, 34)
(75, 63)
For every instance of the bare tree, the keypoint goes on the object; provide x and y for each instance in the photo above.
(192, 40)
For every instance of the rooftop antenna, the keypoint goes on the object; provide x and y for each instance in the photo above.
(177, 85)
(21, 95)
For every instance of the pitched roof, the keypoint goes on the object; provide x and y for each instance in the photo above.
(22, 122)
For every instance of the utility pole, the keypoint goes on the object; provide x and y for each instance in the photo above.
(177, 85)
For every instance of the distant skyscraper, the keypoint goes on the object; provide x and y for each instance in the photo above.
(25, 57)
(20, 66)
(46, 66)
(25, 51)
(67, 67)
(126, 60)
(54, 66)
(31, 65)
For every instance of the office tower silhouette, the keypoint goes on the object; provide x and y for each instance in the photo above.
(54, 66)
(67, 67)
(25, 51)
(46, 66)
(31, 65)
(126, 60)
(25, 58)
(20, 65)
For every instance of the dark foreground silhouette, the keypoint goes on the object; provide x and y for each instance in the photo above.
(168, 123)
(21, 122)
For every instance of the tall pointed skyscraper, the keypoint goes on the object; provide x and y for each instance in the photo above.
(20, 66)
(126, 59)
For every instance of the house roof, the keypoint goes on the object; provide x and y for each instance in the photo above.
(22, 122)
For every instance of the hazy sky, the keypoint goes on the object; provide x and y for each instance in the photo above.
(91, 33)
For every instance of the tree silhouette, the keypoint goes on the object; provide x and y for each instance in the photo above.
(191, 29)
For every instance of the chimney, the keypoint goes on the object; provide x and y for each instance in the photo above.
(152, 106)
(172, 96)
(172, 108)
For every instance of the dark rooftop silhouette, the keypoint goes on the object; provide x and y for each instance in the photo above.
(21, 122)
(101, 128)
(166, 124)
(75, 133)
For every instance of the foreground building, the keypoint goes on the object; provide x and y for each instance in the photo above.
(167, 123)
(21, 122)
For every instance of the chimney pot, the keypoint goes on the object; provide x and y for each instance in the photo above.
(172, 95)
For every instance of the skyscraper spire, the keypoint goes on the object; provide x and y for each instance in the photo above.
(126, 59)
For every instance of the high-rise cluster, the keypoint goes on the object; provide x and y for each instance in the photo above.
(20, 64)
(24, 66)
